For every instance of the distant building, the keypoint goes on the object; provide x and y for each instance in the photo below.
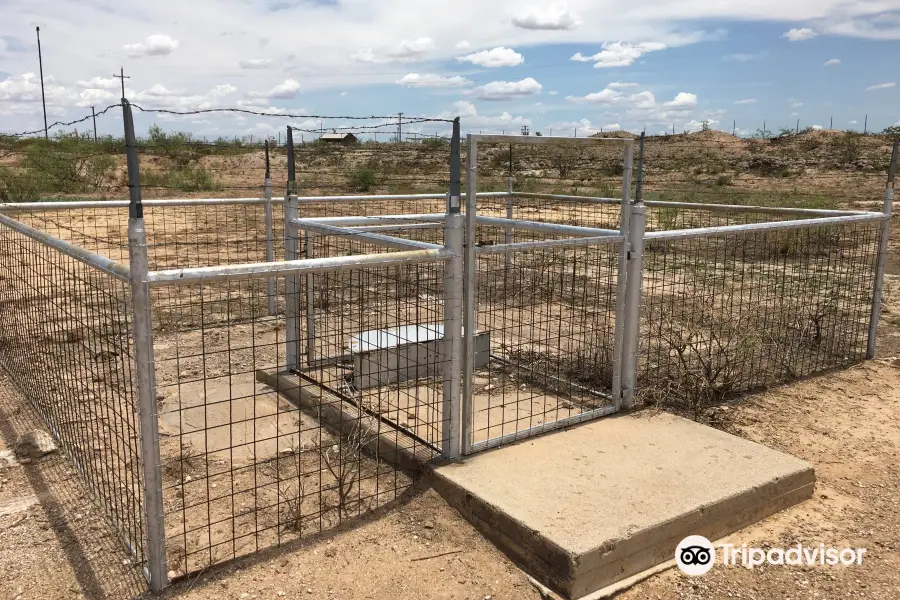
(339, 138)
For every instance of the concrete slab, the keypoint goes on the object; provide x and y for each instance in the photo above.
(587, 507)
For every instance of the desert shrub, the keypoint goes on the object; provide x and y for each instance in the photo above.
(179, 147)
(18, 185)
(435, 144)
(563, 158)
(847, 147)
(67, 164)
(723, 180)
(362, 179)
(186, 179)
(192, 179)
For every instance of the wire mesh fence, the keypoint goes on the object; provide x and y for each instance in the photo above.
(65, 341)
(729, 313)
(292, 398)
(545, 339)
(256, 457)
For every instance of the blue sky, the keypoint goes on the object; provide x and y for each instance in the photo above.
(582, 65)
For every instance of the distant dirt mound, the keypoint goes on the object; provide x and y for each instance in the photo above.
(615, 134)
(714, 136)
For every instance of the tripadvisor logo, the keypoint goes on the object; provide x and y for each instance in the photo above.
(696, 555)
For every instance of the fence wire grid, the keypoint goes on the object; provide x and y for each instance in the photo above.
(288, 404)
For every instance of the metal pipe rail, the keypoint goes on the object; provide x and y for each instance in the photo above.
(548, 227)
(378, 220)
(373, 238)
(775, 210)
(92, 259)
(681, 234)
(566, 243)
(293, 267)
(58, 204)
(488, 138)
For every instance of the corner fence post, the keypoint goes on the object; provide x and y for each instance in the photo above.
(621, 276)
(507, 234)
(881, 259)
(637, 221)
(145, 372)
(470, 318)
(291, 283)
(270, 236)
(453, 306)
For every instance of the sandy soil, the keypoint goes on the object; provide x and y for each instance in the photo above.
(844, 423)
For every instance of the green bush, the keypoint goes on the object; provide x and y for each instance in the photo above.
(18, 185)
(362, 179)
(192, 179)
(186, 179)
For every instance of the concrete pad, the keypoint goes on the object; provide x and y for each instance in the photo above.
(584, 508)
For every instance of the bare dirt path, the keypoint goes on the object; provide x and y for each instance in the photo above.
(53, 543)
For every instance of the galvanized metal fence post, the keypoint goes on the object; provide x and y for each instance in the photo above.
(881, 260)
(453, 306)
(636, 225)
(270, 236)
(621, 276)
(507, 235)
(145, 372)
(291, 283)
(470, 320)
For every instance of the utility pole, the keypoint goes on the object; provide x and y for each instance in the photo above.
(399, 127)
(94, 116)
(798, 125)
(832, 123)
(733, 127)
(43, 97)
(122, 77)
(866, 125)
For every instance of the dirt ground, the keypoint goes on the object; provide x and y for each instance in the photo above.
(844, 423)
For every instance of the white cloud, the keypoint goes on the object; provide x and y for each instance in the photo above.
(606, 96)
(618, 85)
(695, 125)
(746, 101)
(508, 90)
(285, 90)
(92, 97)
(155, 45)
(817, 128)
(462, 45)
(852, 122)
(611, 127)
(471, 118)
(343, 94)
(255, 63)
(881, 86)
(498, 57)
(100, 83)
(553, 17)
(431, 80)
(552, 93)
(619, 54)
(682, 100)
(799, 35)
(794, 103)
(223, 89)
(832, 62)
(405, 51)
